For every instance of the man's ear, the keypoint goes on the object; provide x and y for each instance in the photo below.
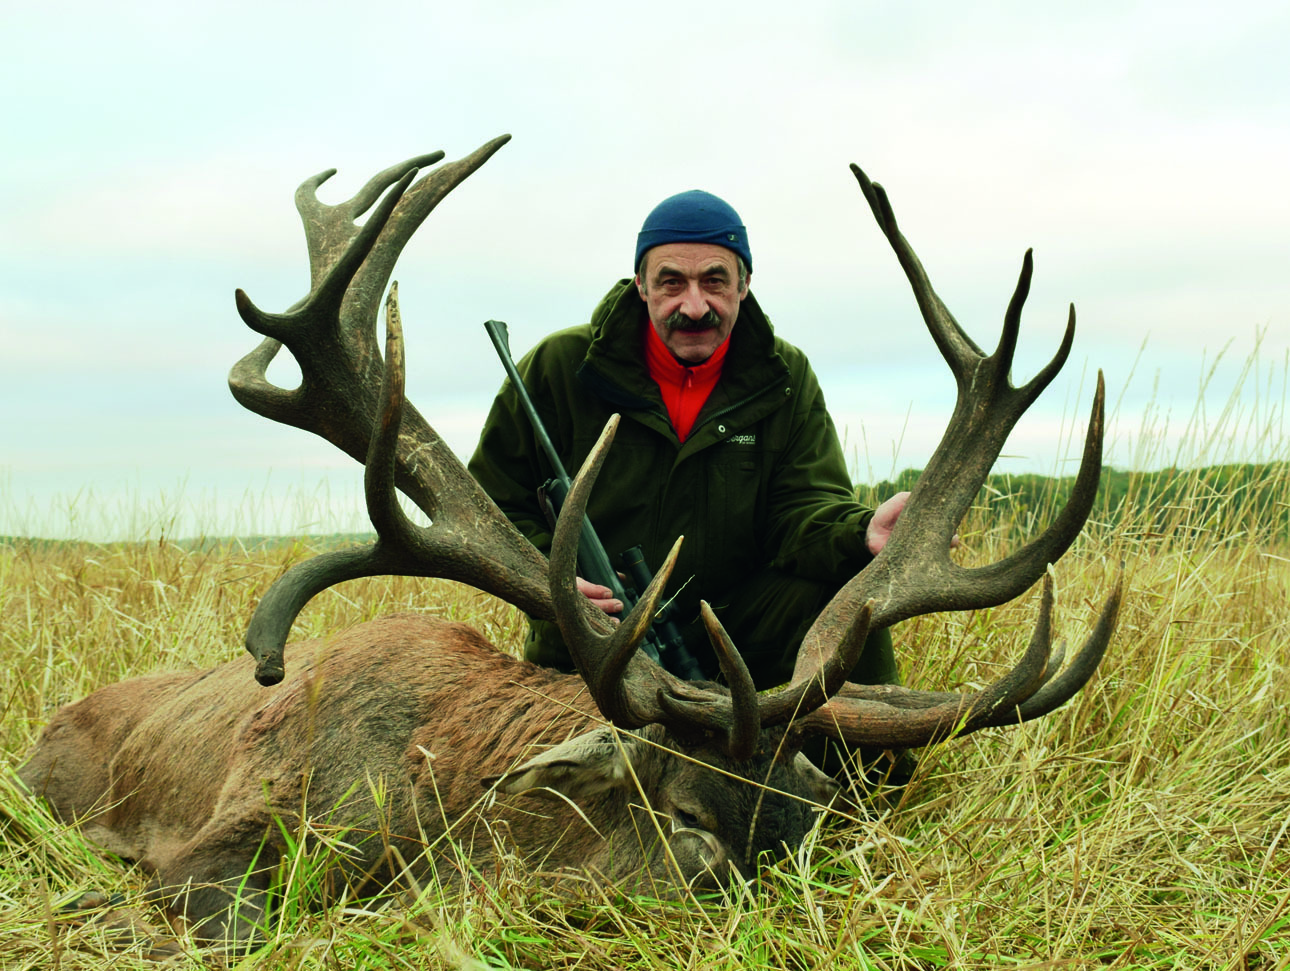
(580, 768)
(747, 285)
(640, 287)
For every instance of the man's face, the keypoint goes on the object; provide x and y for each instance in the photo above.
(693, 294)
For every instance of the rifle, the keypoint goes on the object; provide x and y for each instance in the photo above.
(663, 642)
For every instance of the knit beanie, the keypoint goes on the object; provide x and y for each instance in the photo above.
(694, 217)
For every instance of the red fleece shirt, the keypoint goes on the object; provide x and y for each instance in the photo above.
(685, 389)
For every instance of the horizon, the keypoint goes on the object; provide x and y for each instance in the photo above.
(173, 517)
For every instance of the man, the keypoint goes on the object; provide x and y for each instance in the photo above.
(725, 440)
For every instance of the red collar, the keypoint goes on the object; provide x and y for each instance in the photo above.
(664, 367)
(684, 389)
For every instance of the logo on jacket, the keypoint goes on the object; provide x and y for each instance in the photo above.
(746, 439)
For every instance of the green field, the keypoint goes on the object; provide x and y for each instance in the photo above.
(1145, 825)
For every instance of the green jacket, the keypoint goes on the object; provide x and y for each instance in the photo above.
(761, 481)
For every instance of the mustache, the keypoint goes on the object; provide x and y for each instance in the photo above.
(679, 321)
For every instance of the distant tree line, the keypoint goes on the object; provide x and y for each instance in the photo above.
(1251, 499)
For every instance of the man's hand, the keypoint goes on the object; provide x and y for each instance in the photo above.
(602, 597)
(884, 521)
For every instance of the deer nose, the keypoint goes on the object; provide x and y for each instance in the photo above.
(700, 846)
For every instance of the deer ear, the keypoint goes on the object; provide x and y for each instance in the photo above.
(584, 766)
(823, 787)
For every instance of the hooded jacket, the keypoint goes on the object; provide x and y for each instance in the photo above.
(760, 482)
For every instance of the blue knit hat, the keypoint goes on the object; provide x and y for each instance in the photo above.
(694, 217)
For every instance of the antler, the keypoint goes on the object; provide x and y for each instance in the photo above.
(914, 573)
(332, 335)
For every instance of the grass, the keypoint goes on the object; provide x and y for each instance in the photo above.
(1145, 825)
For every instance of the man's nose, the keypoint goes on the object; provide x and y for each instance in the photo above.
(694, 304)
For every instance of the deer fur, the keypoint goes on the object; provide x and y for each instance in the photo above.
(195, 775)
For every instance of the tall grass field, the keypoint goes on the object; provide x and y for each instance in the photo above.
(1144, 825)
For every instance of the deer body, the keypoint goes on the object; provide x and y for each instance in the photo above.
(387, 736)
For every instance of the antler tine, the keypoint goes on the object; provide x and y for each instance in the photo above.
(999, 582)
(821, 682)
(738, 716)
(1056, 691)
(955, 345)
(388, 519)
(623, 683)
(339, 249)
(454, 546)
(329, 229)
(419, 201)
(920, 576)
(334, 280)
(277, 610)
(914, 573)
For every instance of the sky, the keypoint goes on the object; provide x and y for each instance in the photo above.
(153, 150)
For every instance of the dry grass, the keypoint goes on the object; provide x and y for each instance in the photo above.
(1142, 826)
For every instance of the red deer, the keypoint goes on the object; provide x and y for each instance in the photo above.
(427, 744)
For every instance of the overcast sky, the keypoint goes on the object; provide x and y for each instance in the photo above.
(153, 149)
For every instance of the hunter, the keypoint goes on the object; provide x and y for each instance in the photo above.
(726, 441)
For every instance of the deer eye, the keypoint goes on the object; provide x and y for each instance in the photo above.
(684, 820)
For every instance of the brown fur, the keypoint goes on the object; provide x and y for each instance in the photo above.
(185, 773)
